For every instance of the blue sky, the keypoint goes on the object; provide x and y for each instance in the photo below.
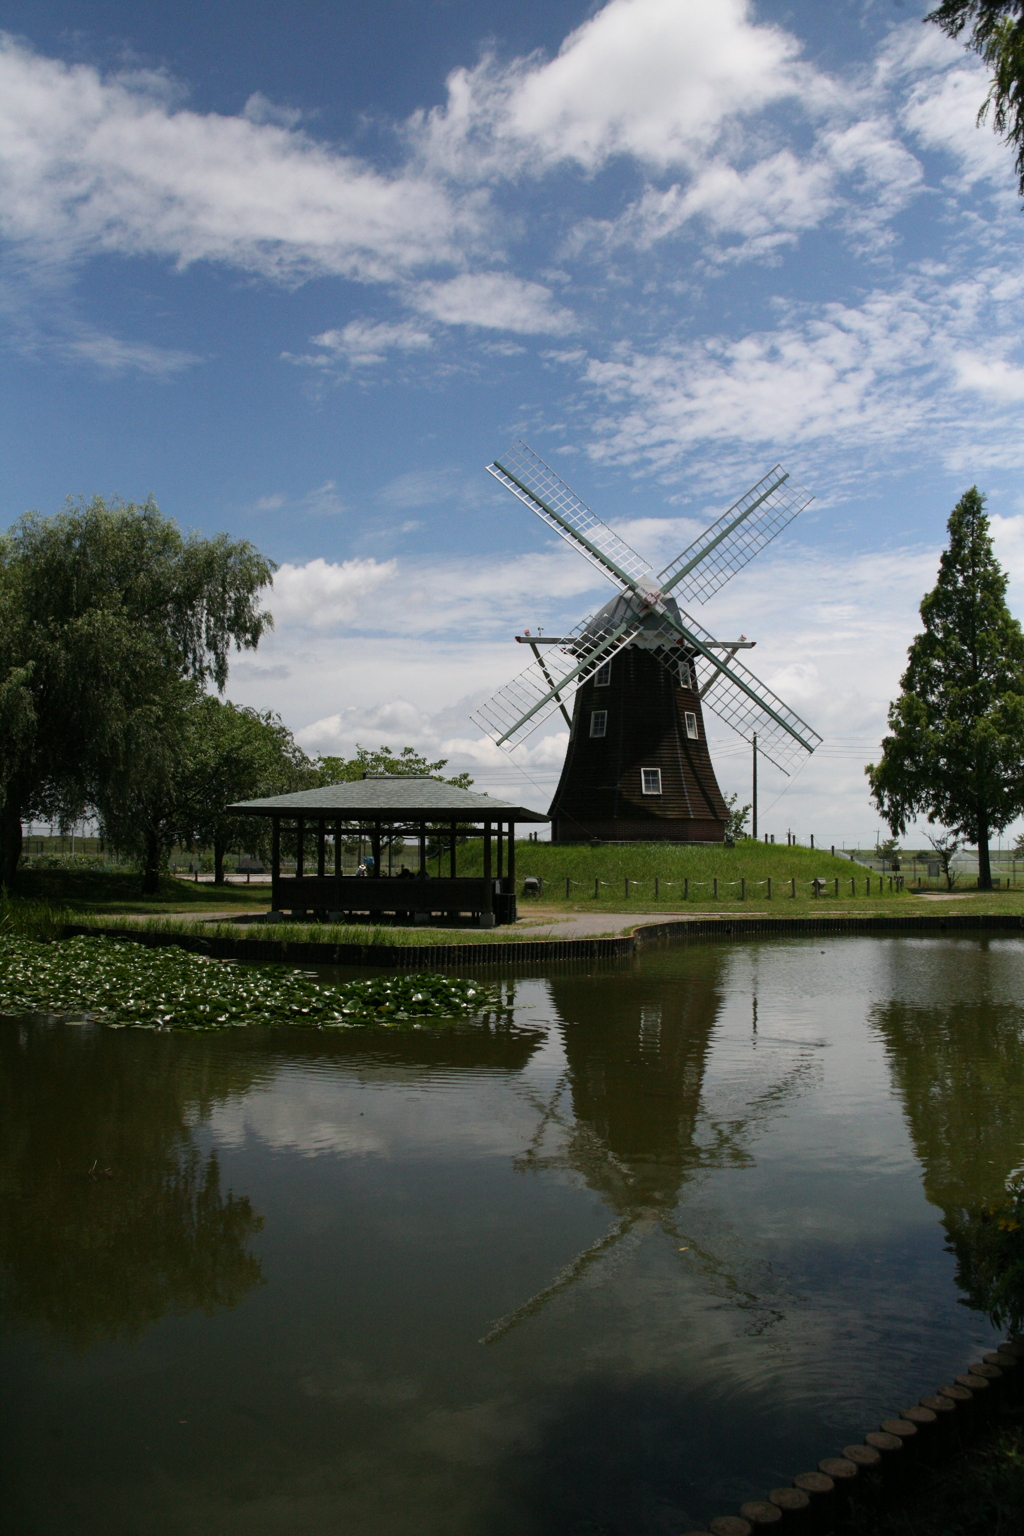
(301, 272)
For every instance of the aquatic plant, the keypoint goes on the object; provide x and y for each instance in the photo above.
(31, 919)
(123, 983)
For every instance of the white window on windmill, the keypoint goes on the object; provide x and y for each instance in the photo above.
(603, 675)
(598, 722)
(685, 674)
(691, 724)
(650, 781)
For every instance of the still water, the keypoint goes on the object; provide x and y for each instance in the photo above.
(655, 1238)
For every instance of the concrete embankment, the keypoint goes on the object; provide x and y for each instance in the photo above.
(510, 952)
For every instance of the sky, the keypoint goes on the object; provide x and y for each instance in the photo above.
(301, 272)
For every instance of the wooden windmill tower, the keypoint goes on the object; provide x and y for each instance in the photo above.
(632, 681)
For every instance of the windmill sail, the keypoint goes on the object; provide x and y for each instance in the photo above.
(549, 682)
(527, 476)
(782, 736)
(738, 535)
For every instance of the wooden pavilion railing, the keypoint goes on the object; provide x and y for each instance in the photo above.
(352, 893)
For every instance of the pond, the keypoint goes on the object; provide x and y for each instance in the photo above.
(657, 1236)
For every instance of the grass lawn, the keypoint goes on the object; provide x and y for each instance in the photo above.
(101, 890)
(597, 883)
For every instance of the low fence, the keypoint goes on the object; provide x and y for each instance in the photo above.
(768, 888)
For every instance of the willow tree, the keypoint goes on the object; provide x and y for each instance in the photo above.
(955, 752)
(104, 609)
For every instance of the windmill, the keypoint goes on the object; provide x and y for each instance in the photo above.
(632, 680)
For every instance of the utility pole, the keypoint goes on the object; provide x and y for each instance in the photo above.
(755, 787)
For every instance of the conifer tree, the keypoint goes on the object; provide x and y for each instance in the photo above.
(956, 748)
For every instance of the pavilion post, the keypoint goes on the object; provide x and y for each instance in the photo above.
(375, 846)
(487, 850)
(300, 838)
(451, 852)
(337, 849)
(501, 869)
(275, 862)
(512, 856)
(423, 850)
(321, 845)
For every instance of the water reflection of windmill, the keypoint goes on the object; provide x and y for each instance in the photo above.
(629, 1117)
(639, 672)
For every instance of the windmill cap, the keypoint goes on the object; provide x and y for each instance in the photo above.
(624, 606)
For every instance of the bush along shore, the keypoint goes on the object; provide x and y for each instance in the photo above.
(124, 984)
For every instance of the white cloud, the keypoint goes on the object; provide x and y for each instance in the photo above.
(1008, 540)
(480, 597)
(894, 372)
(494, 300)
(364, 343)
(91, 164)
(992, 376)
(111, 355)
(322, 595)
(260, 109)
(652, 79)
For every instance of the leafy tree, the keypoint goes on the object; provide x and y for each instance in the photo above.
(143, 798)
(997, 33)
(945, 847)
(104, 610)
(889, 853)
(340, 770)
(956, 749)
(736, 821)
(408, 762)
(237, 754)
(198, 755)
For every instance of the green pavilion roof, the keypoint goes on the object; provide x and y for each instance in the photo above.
(387, 797)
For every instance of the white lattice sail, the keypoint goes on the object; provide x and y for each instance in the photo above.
(737, 536)
(527, 476)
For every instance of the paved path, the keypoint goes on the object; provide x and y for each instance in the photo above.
(570, 925)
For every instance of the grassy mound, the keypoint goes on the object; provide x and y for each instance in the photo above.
(683, 872)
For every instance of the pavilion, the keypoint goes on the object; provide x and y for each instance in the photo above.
(380, 807)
